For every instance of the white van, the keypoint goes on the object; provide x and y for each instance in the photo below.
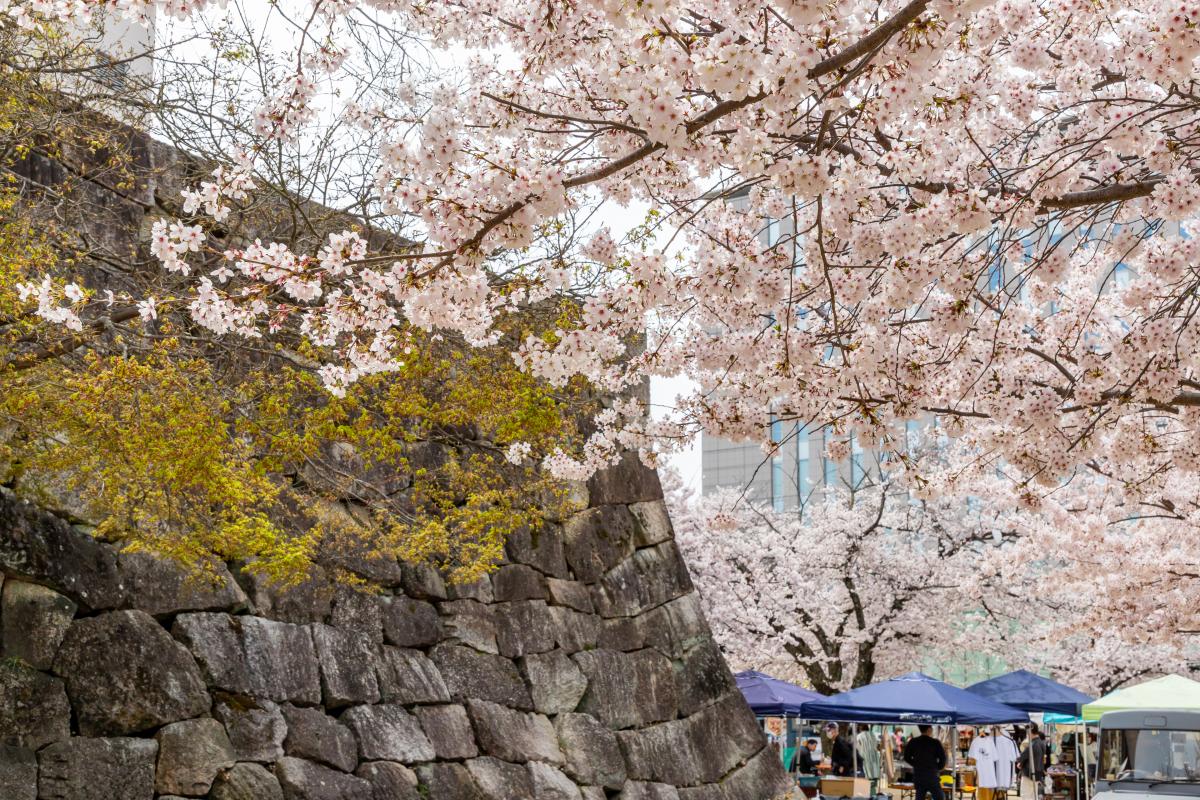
(1148, 754)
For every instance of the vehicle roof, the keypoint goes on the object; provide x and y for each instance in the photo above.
(1152, 718)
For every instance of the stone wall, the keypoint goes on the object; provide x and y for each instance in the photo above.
(582, 669)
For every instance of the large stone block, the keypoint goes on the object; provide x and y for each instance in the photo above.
(256, 728)
(761, 777)
(348, 662)
(125, 674)
(422, 581)
(44, 549)
(572, 594)
(514, 735)
(541, 549)
(470, 675)
(449, 729)
(639, 790)
(448, 782)
(555, 681)
(411, 623)
(471, 623)
(652, 523)
(388, 733)
(650, 577)
(314, 735)
(675, 627)
(597, 540)
(591, 751)
(518, 582)
(358, 611)
(389, 780)
(160, 587)
(34, 711)
(628, 689)
(253, 656)
(34, 621)
(574, 631)
(549, 783)
(628, 481)
(500, 780)
(311, 600)
(524, 626)
(97, 769)
(702, 677)
(480, 590)
(709, 791)
(190, 755)
(246, 782)
(700, 749)
(18, 773)
(622, 633)
(305, 780)
(408, 677)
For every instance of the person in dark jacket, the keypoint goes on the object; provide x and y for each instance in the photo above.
(1032, 765)
(805, 763)
(927, 758)
(841, 754)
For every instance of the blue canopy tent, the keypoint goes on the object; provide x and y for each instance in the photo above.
(1030, 692)
(771, 697)
(913, 699)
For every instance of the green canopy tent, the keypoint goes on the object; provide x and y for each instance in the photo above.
(1170, 691)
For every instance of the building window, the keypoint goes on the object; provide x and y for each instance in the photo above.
(777, 483)
(828, 465)
(857, 471)
(803, 474)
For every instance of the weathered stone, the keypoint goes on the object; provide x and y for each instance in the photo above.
(761, 776)
(555, 681)
(628, 689)
(97, 769)
(388, 733)
(541, 549)
(592, 793)
(253, 656)
(709, 791)
(422, 581)
(358, 611)
(591, 750)
(597, 540)
(448, 782)
(357, 556)
(33, 707)
(304, 780)
(348, 662)
(256, 728)
(702, 677)
(518, 582)
(480, 590)
(449, 729)
(623, 633)
(500, 780)
(550, 784)
(316, 736)
(310, 600)
(125, 674)
(524, 626)
(572, 594)
(408, 677)
(246, 782)
(18, 773)
(42, 548)
(638, 790)
(629, 481)
(514, 735)
(574, 631)
(651, 523)
(389, 780)
(471, 623)
(411, 623)
(159, 586)
(649, 578)
(470, 674)
(675, 627)
(699, 749)
(190, 754)
(35, 620)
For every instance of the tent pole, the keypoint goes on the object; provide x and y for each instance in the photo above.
(1086, 746)
(953, 761)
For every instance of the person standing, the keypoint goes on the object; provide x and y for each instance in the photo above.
(841, 753)
(1033, 764)
(927, 757)
(805, 763)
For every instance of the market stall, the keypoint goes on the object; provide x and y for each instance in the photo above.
(1035, 694)
(912, 699)
(1171, 691)
(778, 704)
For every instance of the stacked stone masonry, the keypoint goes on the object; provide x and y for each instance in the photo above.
(582, 669)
